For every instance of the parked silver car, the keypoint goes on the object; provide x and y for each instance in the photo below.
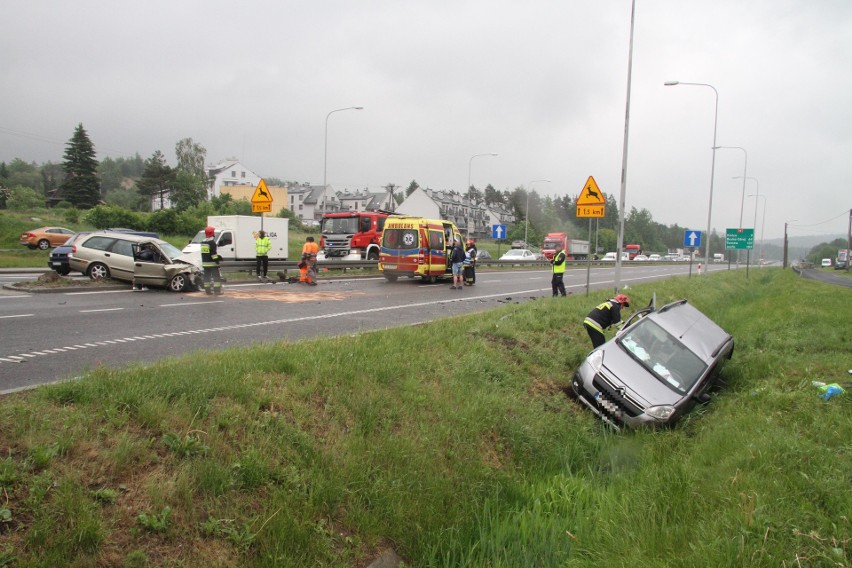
(118, 256)
(659, 365)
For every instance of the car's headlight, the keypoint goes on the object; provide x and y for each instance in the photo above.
(663, 412)
(595, 360)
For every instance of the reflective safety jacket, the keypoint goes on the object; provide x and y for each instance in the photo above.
(309, 251)
(559, 263)
(209, 253)
(262, 246)
(604, 315)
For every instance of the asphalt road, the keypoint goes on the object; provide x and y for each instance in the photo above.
(50, 337)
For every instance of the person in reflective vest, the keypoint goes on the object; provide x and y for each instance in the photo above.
(262, 246)
(559, 264)
(210, 263)
(308, 266)
(469, 267)
(603, 316)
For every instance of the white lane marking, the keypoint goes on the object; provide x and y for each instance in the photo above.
(101, 310)
(19, 296)
(191, 303)
(18, 316)
(97, 292)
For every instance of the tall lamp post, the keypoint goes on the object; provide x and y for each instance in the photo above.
(527, 221)
(784, 264)
(712, 164)
(470, 166)
(325, 152)
(757, 192)
(742, 198)
(762, 222)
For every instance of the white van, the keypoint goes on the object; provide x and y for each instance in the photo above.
(609, 257)
(826, 263)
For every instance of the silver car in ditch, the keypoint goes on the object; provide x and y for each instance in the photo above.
(658, 366)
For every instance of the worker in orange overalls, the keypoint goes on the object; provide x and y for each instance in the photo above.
(308, 266)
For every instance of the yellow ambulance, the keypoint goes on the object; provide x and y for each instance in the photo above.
(414, 246)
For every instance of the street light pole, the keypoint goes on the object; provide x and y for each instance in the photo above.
(325, 152)
(470, 165)
(712, 164)
(742, 198)
(757, 185)
(527, 214)
(762, 222)
(784, 264)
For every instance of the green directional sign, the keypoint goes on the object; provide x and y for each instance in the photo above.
(740, 239)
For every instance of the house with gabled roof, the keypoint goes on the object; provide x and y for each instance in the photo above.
(472, 218)
(229, 172)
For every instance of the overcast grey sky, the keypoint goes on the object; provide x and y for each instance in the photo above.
(543, 83)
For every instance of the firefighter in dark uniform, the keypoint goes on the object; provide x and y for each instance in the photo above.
(559, 264)
(210, 263)
(603, 316)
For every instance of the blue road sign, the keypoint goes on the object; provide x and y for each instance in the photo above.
(691, 238)
(498, 231)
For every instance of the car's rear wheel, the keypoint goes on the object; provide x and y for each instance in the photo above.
(98, 271)
(178, 283)
(63, 271)
(390, 277)
(373, 255)
(44, 244)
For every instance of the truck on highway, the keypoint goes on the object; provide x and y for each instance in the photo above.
(842, 260)
(574, 249)
(632, 250)
(235, 235)
(353, 235)
(414, 246)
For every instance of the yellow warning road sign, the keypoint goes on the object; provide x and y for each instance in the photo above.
(591, 194)
(261, 194)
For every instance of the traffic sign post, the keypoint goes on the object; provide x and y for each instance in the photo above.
(739, 239)
(261, 201)
(692, 238)
(591, 202)
(498, 233)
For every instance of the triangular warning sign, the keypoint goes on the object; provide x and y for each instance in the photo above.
(591, 194)
(261, 194)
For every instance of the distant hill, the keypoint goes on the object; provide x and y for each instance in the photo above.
(806, 241)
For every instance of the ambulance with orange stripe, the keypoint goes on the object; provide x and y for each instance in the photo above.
(414, 246)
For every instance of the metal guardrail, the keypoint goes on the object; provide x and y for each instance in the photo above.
(233, 266)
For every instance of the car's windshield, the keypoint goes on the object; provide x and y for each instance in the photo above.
(339, 225)
(663, 355)
(170, 250)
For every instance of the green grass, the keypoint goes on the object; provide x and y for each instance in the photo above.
(453, 443)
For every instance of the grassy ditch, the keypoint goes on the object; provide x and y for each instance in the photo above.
(453, 443)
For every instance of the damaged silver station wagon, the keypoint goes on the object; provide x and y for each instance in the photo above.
(131, 258)
(658, 366)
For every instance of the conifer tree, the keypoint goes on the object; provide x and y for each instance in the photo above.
(158, 179)
(81, 185)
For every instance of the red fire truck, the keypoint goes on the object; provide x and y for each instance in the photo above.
(351, 235)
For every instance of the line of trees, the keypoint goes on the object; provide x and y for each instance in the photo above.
(81, 182)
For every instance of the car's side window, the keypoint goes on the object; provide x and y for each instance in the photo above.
(99, 243)
(122, 247)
